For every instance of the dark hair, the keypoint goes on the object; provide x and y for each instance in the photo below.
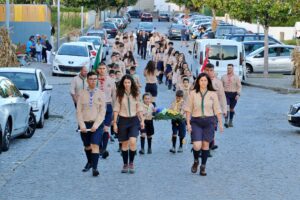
(117, 71)
(170, 43)
(111, 72)
(130, 57)
(186, 79)
(150, 68)
(146, 94)
(210, 66)
(209, 85)
(179, 93)
(121, 88)
(230, 65)
(132, 68)
(170, 51)
(121, 44)
(91, 74)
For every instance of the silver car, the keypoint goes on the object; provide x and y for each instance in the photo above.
(279, 59)
(16, 116)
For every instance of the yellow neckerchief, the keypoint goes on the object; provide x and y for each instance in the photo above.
(177, 104)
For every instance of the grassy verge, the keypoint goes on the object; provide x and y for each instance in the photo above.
(290, 42)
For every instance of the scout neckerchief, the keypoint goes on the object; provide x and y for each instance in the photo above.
(102, 81)
(83, 80)
(91, 93)
(178, 105)
(128, 101)
(202, 101)
(230, 81)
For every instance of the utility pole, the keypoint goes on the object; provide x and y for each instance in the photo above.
(81, 20)
(58, 23)
(7, 18)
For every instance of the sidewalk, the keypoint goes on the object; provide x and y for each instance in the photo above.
(277, 82)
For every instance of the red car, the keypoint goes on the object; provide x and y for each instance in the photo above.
(147, 17)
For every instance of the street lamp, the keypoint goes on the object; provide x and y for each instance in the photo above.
(58, 23)
(7, 15)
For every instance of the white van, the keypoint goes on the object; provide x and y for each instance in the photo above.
(220, 53)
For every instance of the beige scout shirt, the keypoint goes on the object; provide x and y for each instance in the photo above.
(78, 83)
(218, 86)
(108, 87)
(178, 106)
(232, 83)
(206, 106)
(91, 109)
(148, 111)
(150, 78)
(129, 106)
(122, 66)
(186, 91)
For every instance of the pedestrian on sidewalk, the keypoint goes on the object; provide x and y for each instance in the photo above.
(78, 83)
(108, 87)
(148, 110)
(201, 108)
(91, 110)
(151, 80)
(39, 49)
(218, 86)
(178, 126)
(233, 87)
(128, 119)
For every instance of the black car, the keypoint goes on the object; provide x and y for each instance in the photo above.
(163, 17)
(294, 115)
(147, 27)
(228, 29)
(251, 46)
(110, 28)
(135, 13)
(174, 31)
(250, 37)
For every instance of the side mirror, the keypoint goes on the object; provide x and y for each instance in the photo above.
(48, 87)
(26, 96)
(190, 52)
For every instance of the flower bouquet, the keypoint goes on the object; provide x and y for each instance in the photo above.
(168, 114)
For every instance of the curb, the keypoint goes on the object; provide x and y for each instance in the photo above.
(276, 89)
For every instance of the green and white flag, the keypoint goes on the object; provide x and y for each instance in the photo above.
(98, 57)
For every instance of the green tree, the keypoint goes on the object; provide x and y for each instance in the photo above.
(267, 12)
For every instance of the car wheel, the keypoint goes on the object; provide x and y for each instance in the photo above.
(249, 69)
(54, 74)
(47, 114)
(6, 136)
(42, 120)
(31, 126)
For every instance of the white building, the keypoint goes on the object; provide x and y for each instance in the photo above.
(155, 5)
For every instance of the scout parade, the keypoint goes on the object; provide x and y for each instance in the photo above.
(114, 107)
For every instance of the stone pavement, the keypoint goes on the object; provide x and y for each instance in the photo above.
(276, 82)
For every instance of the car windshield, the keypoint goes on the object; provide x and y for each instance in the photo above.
(73, 50)
(95, 41)
(145, 26)
(23, 81)
(222, 52)
(178, 26)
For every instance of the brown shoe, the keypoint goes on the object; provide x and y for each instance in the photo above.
(125, 169)
(131, 168)
(195, 167)
(202, 171)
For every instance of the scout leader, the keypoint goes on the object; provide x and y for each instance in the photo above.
(91, 110)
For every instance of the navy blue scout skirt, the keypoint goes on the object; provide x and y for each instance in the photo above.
(203, 128)
(92, 138)
(128, 127)
(151, 88)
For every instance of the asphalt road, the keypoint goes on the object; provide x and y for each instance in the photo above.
(257, 159)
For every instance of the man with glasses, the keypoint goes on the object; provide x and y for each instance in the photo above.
(91, 109)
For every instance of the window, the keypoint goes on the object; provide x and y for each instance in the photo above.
(195, 49)
(251, 38)
(237, 38)
(8, 89)
(224, 52)
(43, 81)
(274, 51)
(72, 50)
(286, 51)
(23, 81)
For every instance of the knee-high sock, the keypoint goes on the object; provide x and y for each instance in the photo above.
(181, 141)
(174, 138)
(131, 156)
(105, 138)
(125, 157)
(95, 158)
(88, 155)
(196, 155)
(142, 142)
(149, 139)
(204, 157)
(231, 115)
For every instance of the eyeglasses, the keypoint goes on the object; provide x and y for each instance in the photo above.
(92, 79)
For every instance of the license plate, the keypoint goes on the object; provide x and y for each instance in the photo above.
(289, 117)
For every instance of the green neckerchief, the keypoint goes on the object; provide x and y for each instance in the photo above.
(128, 99)
(83, 80)
(202, 101)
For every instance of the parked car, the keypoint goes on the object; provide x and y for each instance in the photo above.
(111, 29)
(146, 26)
(128, 17)
(16, 116)
(228, 29)
(120, 24)
(177, 16)
(251, 46)
(163, 17)
(279, 59)
(135, 13)
(147, 17)
(294, 115)
(96, 42)
(33, 82)
(174, 31)
(71, 57)
(250, 37)
(123, 18)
